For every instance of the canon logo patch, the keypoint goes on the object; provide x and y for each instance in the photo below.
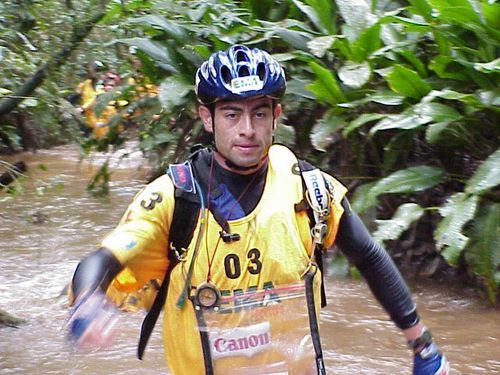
(241, 341)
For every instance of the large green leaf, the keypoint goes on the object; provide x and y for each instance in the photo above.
(319, 16)
(407, 82)
(418, 115)
(409, 180)
(446, 67)
(434, 131)
(483, 254)
(405, 121)
(367, 43)
(411, 24)
(456, 212)
(452, 95)
(355, 75)
(489, 67)
(154, 49)
(325, 86)
(362, 200)
(421, 7)
(323, 9)
(357, 17)
(149, 142)
(173, 92)
(360, 121)
(173, 29)
(404, 216)
(320, 45)
(457, 11)
(326, 129)
(486, 176)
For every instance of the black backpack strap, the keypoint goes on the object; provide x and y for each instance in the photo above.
(181, 231)
(319, 249)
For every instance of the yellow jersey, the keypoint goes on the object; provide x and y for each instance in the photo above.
(273, 252)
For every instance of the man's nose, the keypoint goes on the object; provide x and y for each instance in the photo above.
(246, 125)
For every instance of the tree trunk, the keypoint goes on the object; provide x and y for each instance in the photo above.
(12, 173)
(79, 33)
(9, 320)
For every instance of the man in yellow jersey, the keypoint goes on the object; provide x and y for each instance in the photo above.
(241, 293)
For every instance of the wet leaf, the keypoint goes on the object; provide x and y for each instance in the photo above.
(490, 67)
(483, 254)
(312, 14)
(362, 200)
(451, 95)
(355, 75)
(367, 42)
(325, 131)
(407, 82)
(285, 134)
(406, 121)
(173, 29)
(360, 121)
(173, 92)
(456, 212)
(433, 131)
(319, 46)
(409, 180)
(437, 112)
(486, 176)
(490, 98)
(387, 97)
(418, 115)
(153, 49)
(325, 86)
(356, 14)
(404, 216)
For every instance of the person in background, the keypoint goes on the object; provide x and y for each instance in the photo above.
(88, 92)
(242, 293)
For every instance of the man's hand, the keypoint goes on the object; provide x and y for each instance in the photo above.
(92, 323)
(429, 361)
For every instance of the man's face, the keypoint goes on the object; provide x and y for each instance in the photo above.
(243, 129)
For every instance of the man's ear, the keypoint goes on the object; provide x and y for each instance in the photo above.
(206, 118)
(276, 114)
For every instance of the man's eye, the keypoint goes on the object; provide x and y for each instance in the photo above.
(231, 115)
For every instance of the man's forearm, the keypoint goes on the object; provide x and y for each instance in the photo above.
(96, 270)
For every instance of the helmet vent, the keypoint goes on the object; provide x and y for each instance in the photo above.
(261, 71)
(241, 56)
(243, 71)
(225, 74)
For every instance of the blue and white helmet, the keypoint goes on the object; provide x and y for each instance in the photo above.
(239, 73)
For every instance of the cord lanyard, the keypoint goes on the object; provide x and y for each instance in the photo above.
(207, 295)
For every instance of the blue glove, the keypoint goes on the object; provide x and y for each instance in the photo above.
(429, 361)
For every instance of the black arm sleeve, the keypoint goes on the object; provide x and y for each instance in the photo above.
(377, 267)
(96, 270)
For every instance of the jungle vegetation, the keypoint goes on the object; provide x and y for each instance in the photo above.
(398, 99)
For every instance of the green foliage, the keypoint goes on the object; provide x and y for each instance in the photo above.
(99, 185)
(456, 212)
(484, 251)
(487, 176)
(410, 180)
(404, 216)
(439, 59)
(404, 94)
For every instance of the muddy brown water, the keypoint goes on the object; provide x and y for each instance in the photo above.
(45, 231)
